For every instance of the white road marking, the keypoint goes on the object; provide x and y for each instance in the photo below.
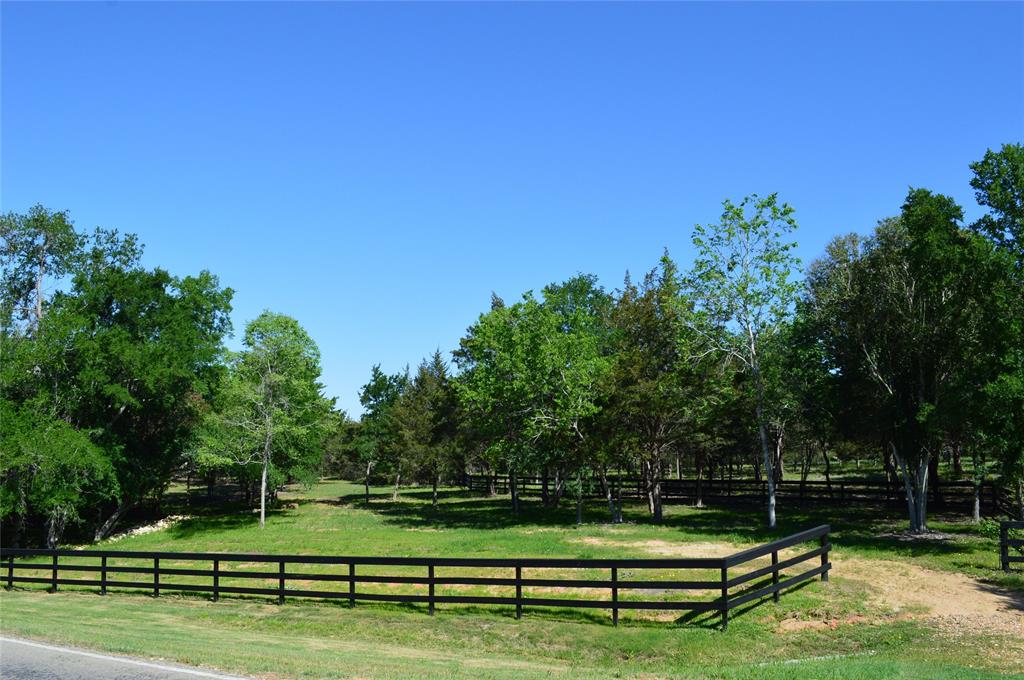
(120, 659)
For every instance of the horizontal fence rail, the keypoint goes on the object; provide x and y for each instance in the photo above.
(1006, 557)
(992, 497)
(282, 576)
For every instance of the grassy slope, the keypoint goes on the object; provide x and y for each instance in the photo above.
(310, 639)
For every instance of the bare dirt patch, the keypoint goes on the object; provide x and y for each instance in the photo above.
(954, 601)
(665, 548)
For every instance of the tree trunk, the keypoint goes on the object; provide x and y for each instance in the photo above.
(366, 482)
(263, 485)
(922, 493)
(513, 483)
(976, 513)
(653, 471)
(606, 486)
(55, 527)
(398, 480)
(433, 501)
(112, 521)
(18, 530)
(908, 489)
(828, 470)
(698, 464)
(933, 481)
(763, 433)
(39, 281)
(777, 466)
(1020, 500)
(618, 502)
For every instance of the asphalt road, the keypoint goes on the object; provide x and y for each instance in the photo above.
(27, 660)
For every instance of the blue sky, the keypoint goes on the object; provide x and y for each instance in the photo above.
(376, 170)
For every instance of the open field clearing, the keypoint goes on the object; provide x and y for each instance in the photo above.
(946, 612)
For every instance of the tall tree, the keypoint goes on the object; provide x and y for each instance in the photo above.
(742, 280)
(37, 246)
(377, 444)
(49, 468)
(905, 317)
(274, 414)
(999, 414)
(120, 353)
(426, 414)
(647, 408)
(998, 184)
(529, 377)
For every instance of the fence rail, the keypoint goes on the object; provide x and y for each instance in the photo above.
(954, 494)
(754, 584)
(1005, 543)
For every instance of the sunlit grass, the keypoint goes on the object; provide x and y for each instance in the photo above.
(311, 638)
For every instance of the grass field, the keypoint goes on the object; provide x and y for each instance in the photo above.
(873, 620)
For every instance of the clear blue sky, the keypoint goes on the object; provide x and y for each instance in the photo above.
(377, 170)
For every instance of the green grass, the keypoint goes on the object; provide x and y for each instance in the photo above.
(313, 639)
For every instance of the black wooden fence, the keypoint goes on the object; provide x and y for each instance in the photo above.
(959, 495)
(1005, 543)
(733, 591)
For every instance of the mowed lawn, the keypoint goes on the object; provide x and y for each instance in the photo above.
(835, 629)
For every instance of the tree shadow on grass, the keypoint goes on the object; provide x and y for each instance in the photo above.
(196, 526)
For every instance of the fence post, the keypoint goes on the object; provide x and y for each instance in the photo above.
(10, 572)
(519, 592)
(216, 580)
(1004, 546)
(352, 584)
(725, 597)
(824, 557)
(156, 577)
(615, 596)
(103, 575)
(280, 582)
(53, 588)
(430, 585)
(775, 574)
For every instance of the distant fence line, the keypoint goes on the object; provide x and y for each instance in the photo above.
(758, 583)
(1005, 543)
(954, 494)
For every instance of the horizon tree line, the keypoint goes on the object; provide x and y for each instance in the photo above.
(908, 342)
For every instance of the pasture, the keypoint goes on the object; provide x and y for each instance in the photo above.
(894, 607)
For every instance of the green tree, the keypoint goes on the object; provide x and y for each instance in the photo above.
(377, 444)
(273, 413)
(999, 414)
(37, 246)
(998, 184)
(647, 410)
(742, 280)
(427, 417)
(905, 317)
(529, 377)
(49, 468)
(122, 354)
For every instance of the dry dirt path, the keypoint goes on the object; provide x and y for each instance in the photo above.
(956, 602)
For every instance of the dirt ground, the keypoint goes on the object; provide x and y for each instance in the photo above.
(955, 602)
